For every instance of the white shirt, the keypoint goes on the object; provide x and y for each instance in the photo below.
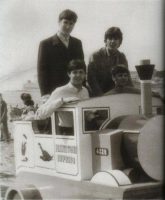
(59, 96)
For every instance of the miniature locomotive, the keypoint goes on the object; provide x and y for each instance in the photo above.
(105, 147)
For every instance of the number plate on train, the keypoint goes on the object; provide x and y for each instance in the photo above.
(101, 151)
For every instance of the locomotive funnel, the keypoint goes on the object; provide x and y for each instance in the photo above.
(145, 71)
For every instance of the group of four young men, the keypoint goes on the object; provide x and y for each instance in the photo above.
(61, 58)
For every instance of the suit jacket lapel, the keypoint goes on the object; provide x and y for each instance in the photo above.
(56, 40)
(70, 42)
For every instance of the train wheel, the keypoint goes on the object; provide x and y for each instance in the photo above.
(114, 178)
(13, 195)
(16, 197)
(23, 193)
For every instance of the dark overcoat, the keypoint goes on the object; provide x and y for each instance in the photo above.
(3, 121)
(3, 111)
(53, 58)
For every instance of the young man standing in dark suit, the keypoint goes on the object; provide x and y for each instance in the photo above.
(55, 54)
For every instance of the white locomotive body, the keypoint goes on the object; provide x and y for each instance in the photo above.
(91, 149)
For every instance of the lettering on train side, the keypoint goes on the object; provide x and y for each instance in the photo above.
(66, 149)
(66, 159)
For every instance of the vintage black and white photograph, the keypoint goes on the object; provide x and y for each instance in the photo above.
(81, 99)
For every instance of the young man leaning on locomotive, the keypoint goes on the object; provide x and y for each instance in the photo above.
(74, 90)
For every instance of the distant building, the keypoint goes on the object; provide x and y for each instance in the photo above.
(29, 85)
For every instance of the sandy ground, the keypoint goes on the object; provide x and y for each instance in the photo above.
(7, 165)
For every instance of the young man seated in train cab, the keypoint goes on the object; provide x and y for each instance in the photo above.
(120, 76)
(74, 90)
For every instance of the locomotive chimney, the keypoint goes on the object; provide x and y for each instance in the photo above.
(145, 71)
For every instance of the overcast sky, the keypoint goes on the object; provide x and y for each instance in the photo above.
(24, 23)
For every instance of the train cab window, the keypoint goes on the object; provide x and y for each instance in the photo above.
(94, 118)
(42, 126)
(64, 123)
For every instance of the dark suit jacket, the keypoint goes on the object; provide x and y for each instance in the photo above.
(53, 58)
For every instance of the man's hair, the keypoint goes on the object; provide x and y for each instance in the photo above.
(69, 15)
(25, 96)
(75, 65)
(27, 99)
(119, 69)
(113, 32)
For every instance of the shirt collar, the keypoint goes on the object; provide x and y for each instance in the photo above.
(56, 40)
(73, 87)
(110, 53)
(63, 36)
